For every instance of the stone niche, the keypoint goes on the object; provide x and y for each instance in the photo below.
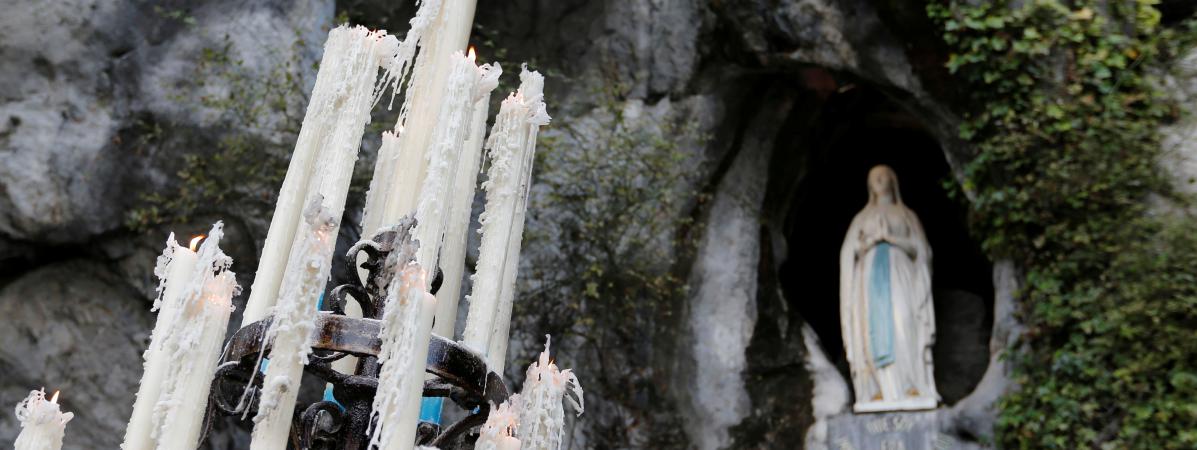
(854, 129)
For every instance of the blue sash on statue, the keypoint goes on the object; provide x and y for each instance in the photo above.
(881, 309)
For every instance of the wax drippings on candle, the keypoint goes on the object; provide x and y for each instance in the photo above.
(542, 413)
(213, 286)
(446, 143)
(488, 80)
(400, 63)
(294, 321)
(31, 411)
(161, 268)
(398, 334)
(42, 423)
(502, 421)
(325, 151)
(511, 149)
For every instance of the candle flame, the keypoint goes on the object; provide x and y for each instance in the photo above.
(195, 242)
(471, 55)
(54, 399)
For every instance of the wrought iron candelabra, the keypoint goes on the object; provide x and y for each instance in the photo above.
(458, 374)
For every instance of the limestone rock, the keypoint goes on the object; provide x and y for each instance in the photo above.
(72, 327)
(84, 76)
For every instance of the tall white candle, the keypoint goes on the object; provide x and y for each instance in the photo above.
(512, 145)
(532, 88)
(336, 117)
(42, 423)
(542, 412)
(347, 74)
(396, 180)
(292, 326)
(461, 202)
(395, 75)
(409, 417)
(502, 423)
(442, 157)
(394, 194)
(175, 269)
(194, 345)
(406, 331)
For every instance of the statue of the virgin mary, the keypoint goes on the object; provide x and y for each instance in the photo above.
(886, 314)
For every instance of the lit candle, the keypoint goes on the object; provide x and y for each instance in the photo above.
(532, 91)
(452, 260)
(345, 84)
(399, 172)
(292, 326)
(542, 413)
(193, 347)
(512, 145)
(498, 433)
(461, 202)
(442, 157)
(175, 269)
(331, 134)
(406, 332)
(42, 423)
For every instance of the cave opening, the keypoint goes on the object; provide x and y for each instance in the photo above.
(854, 129)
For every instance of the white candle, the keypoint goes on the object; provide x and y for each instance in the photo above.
(396, 182)
(336, 117)
(542, 413)
(409, 418)
(452, 260)
(501, 425)
(399, 172)
(532, 89)
(443, 154)
(292, 326)
(193, 347)
(508, 443)
(346, 86)
(42, 423)
(175, 269)
(512, 145)
(406, 331)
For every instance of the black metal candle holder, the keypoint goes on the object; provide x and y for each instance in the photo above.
(459, 374)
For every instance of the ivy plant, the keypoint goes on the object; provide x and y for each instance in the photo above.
(1064, 114)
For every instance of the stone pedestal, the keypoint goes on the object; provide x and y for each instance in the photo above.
(925, 430)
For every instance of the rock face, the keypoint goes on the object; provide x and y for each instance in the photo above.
(82, 82)
(723, 308)
(747, 359)
(1178, 143)
(72, 326)
(81, 72)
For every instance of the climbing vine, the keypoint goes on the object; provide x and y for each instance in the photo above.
(1064, 113)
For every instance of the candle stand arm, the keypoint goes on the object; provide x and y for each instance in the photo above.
(459, 374)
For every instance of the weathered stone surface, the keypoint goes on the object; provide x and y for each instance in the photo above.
(79, 73)
(1179, 143)
(73, 327)
(723, 309)
(892, 431)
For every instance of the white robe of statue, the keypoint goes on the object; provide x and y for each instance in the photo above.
(886, 313)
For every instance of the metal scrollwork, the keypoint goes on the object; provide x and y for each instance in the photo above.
(459, 375)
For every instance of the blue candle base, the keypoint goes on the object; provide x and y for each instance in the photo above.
(430, 409)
